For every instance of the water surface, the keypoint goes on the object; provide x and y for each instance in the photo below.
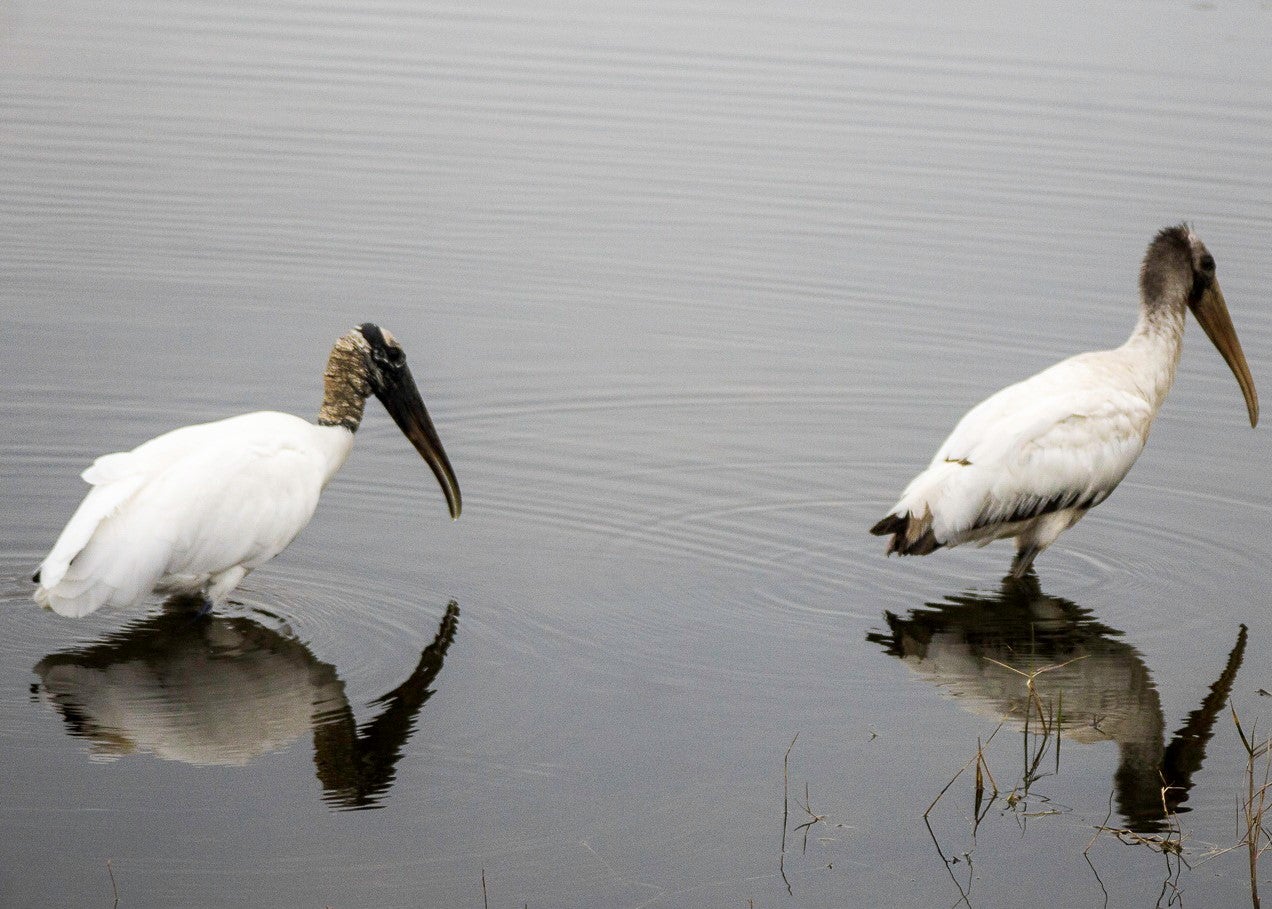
(691, 293)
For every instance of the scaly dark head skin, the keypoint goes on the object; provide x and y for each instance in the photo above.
(369, 361)
(1166, 274)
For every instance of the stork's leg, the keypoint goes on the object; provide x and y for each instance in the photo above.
(1040, 533)
(223, 583)
(1024, 558)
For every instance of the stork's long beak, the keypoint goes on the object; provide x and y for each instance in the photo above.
(402, 401)
(1212, 312)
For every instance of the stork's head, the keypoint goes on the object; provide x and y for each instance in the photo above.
(368, 360)
(1178, 270)
(382, 356)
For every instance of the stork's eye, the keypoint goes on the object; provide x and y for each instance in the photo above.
(1208, 264)
(388, 356)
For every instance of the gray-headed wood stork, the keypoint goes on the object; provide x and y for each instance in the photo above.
(194, 510)
(1031, 460)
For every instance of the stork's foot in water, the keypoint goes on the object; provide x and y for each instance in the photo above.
(194, 604)
(1023, 561)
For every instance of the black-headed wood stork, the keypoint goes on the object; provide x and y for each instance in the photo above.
(1031, 460)
(194, 510)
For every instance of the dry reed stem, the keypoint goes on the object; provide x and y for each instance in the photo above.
(1256, 802)
(113, 889)
(978, 754)
(786, 760)
(1050, 718)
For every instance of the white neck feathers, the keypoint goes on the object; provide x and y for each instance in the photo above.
(1152, 351)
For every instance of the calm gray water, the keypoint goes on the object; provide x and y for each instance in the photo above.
(691, 291)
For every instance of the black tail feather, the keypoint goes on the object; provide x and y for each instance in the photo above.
(899, 527)
(893, 523)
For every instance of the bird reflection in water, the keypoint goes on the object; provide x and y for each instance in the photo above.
(225, 690)
(980, 647)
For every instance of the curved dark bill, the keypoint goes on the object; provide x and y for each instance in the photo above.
(1212, 313)
(402, 401)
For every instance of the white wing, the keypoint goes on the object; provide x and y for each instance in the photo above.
(185, 506)
(115, 478)
(1061, 439)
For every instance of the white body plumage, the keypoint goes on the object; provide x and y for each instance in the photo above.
(193, 510)
(1058, 442)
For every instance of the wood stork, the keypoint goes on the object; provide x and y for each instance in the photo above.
(1031, 460)
(194, 510)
